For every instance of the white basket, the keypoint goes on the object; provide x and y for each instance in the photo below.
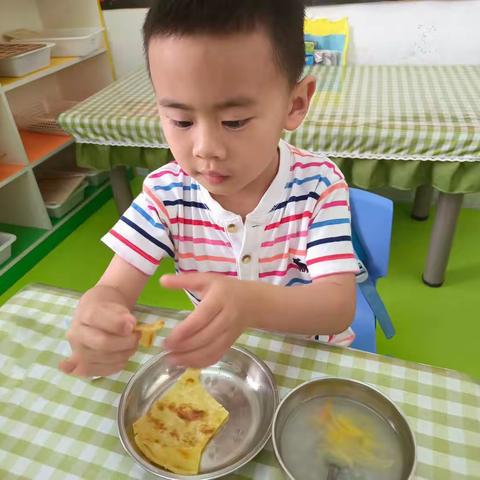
(56, 210)
(69, 42)
(25, 63)
(42, 116)
(92, 176)
(6, 240)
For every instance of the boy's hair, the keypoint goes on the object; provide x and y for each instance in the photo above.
(281, 19)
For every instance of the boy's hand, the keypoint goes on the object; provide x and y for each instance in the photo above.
(223, 314)
(102, 339)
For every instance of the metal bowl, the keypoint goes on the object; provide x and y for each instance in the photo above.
(240, 381)
(345, 389)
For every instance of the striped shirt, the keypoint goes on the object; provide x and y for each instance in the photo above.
(299, 231)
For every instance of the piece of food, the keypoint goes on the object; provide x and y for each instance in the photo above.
(175, 431)
(148, 332)
(347, 444)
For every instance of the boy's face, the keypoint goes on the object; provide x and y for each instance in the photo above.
(223, 104)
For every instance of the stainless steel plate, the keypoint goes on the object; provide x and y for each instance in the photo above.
(240, 381)
(340, 390)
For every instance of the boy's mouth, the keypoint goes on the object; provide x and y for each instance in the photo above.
(213, 177)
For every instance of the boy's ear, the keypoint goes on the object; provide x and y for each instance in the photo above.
(299, 102)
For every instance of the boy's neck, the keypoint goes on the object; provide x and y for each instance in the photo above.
(240, 204)
(245, 201)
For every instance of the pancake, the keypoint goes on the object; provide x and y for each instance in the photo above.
(148, 332)
(174, 433)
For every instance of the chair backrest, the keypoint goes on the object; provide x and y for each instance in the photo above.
(372, 217)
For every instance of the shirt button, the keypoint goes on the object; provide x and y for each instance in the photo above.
(232, 228)
(246, 259)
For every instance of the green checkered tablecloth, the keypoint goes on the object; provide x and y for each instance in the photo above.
(384, 112)
(393, 118)
(394, 112)
(54, 426)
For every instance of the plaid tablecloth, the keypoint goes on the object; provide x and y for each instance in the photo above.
(53, 426)
(361, 112)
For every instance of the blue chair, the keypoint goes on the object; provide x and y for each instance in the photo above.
(372, 217)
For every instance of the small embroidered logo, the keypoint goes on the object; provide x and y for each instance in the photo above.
(301, 266)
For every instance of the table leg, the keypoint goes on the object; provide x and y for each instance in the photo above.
(441, 239)
(121, 188)
(422, 202)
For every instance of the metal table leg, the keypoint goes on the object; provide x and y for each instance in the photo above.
(448, 208)
(422, 202)
(122, 193)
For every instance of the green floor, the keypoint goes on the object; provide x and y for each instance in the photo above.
(435, 326)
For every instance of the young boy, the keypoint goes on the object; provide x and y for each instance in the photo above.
(245, 215)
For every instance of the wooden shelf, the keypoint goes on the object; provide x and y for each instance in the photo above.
(9, 171)
(41, 146)
(22, 152)
(56, 64)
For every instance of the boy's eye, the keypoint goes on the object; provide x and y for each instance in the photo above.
(235, 124)
(181, 123)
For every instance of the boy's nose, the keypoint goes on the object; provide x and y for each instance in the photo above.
(208, 145)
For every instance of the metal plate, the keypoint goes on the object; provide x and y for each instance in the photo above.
(350, 390)
(240, 381)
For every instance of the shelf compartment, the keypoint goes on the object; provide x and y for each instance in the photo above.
(56, 64)
(41, 146)
(32, 244)
(26, 236)
(90, 193)
(9, 171)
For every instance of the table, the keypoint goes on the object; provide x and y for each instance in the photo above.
(54, 426)
(407, 127)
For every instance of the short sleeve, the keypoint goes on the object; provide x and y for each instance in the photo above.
(329, 244)
(142, 235)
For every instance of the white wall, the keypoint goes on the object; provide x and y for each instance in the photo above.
(125, 34)
(398, 32)
(410, 31)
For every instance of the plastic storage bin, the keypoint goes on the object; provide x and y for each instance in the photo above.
(6, 241)
(97, 177)
(18, 59)
(76, 42)
(42, 116)
(59, 210)
(93, 177)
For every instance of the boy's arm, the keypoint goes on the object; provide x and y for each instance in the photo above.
(121, 283)
(101, 334)
(324, 307)
(229, 306)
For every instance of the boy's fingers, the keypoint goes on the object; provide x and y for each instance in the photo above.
(95, 339)
(200, 339)
(112, 319)
(197, 282)
(202, 357)
(88, 367)
(203, 314)
(92, 356)
(67, 366)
